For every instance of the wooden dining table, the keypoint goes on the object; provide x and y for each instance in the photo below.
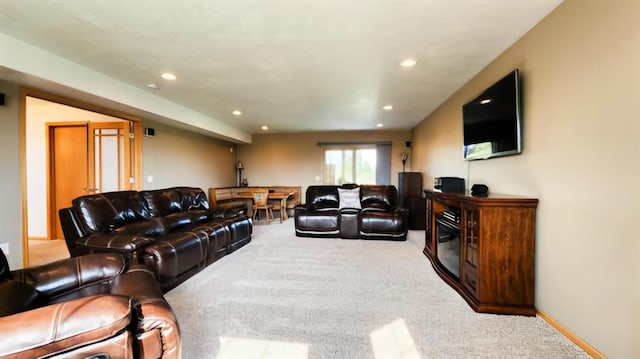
(282, 196)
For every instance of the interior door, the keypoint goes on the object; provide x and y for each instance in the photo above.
(69, 176)
(86, 158)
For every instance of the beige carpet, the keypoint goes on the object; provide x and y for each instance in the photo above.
(287, 297)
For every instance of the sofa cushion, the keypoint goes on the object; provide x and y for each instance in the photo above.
(149, 227)
(349, 198)
(318, 221)
(176, 220)
(200, 215)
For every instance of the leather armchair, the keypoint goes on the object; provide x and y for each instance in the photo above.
(381, 216)
(87, 306)
(319, 216)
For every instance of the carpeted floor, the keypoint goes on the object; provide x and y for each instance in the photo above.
(287, 297)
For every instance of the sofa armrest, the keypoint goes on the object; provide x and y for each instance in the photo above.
(55, 328)
(111, 242)
(59, 277)
(71, 228)
(158, 332)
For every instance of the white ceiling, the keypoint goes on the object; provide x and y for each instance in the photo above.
(293, 65)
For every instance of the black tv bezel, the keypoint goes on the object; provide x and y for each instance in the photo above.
(518, 118)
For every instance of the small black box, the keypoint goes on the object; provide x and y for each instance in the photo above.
(1, 99)
(149, 132)
(449, 184)
(479, 190)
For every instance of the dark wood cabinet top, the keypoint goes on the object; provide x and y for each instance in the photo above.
(493, 199)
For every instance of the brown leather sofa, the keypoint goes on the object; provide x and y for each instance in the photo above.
(172, 231)
(352, 211)
(92, 306)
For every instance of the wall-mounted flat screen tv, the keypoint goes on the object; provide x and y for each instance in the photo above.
(492, 121)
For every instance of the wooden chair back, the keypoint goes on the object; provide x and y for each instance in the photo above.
(260, 196)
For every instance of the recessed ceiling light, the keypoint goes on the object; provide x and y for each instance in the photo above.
(408, 63)
(236, 113)
(152, 86)
(264, 128)
(379, 125)
(485, 101)
(388, 107)
(168, 76)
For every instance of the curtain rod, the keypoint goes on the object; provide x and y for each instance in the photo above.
(354, 143)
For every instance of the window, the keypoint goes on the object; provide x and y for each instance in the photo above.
(356, 163)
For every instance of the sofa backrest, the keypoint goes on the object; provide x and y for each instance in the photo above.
(161, 202)
(378, 196)
(105, 211)
(322, 197)
(192, 198)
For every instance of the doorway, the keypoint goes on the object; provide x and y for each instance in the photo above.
(85, 158)
(72, 149)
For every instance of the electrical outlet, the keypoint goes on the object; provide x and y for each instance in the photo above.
(5, 248)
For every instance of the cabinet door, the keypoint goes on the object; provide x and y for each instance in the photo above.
(409, 185)
(428, 233)
(470, 261)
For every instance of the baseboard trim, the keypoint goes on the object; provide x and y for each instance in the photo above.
(574, 338)
(38, 238)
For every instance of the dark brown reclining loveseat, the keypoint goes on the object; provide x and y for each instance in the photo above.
(93, 306)
(172, 231)
(352, 211)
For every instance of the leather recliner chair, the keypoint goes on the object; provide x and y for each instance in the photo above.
(92, 306)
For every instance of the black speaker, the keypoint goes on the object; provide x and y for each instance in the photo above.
(149, 132)
(479, 190)
(408, 144)
(1, 99)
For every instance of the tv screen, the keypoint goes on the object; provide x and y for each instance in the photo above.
(491, 121)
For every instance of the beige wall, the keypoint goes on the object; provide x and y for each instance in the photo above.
(176, 157)
(10, 184)
(295, 159)
(581, 81)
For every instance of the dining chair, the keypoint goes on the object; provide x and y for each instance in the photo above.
(260, 197)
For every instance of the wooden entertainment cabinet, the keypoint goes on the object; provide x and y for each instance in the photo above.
(496, 235)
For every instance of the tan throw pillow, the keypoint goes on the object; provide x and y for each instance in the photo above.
(349, 198)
